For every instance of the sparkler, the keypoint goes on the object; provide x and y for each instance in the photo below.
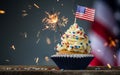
(53, 22)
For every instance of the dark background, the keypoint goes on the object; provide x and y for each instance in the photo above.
(14, 27)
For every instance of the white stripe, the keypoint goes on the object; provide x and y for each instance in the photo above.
(104, 15)
(105, 54)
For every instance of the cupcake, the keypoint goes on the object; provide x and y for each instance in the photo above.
(74, 51)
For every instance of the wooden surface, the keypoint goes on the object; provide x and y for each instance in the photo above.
(52, 70)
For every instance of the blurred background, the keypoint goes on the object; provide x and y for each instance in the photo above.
(24, 39)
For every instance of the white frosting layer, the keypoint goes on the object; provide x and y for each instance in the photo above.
(74, 39)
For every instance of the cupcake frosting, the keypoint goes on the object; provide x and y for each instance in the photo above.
(74, 40)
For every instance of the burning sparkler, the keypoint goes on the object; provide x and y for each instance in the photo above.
(52, 21)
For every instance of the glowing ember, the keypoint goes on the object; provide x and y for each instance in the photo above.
(52, 21)
(109, 66)
(2, 12)
(48, 40)
(37, 60)
(47, 58)
(13, 47)
(36, 5)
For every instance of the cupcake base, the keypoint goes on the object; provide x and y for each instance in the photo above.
(73, 61)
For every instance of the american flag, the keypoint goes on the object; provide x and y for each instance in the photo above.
(85, 13)
(104, 29)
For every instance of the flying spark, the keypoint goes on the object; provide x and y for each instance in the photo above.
(57, 0)
(2, 12)
(52, 21)
(37, 40)
(47, 58)
(24, 13)
(36, 5)
(109, 66)
(38, 34)
(48, 41)
(7, 60)
(13, 47)
(61, 4)
(36, 60)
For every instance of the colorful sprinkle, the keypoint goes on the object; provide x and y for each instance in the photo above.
(73, 32)
(89, 41)
(81, 43)
(77, 37)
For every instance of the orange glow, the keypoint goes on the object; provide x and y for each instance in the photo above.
(2, 12)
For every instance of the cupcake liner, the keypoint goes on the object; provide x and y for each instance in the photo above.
(72, 62)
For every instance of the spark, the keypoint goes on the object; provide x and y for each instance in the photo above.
(61, 4)
(114, 56)
(111, 43)
(36, 60)
(37, 40)
(24, 13)
(57, 0)
(53, 21)
(7, 60)
(13, 47)
(29, 6)
(38, 34)
(36, 5)
(47, 58)
(2, 12)
(48, 40)
(109, 66)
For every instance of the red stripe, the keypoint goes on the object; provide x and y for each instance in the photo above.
(102, 31)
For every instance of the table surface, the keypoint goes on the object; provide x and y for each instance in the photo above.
(53, 70)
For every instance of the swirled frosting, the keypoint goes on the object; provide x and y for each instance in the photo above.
(74, 40)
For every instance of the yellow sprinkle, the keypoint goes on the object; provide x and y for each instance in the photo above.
(109, 66)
